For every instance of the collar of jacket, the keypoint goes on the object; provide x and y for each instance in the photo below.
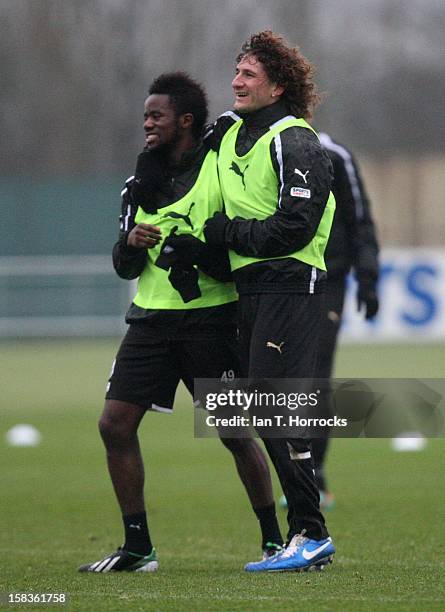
(189, 159)
(265, 116)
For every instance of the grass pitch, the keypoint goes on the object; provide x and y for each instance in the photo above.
(58, 510)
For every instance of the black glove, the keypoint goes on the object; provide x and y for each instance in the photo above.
(214, 132)
(215, 228)
(149, 178)
(183, 249)
(367, 297)
(185, 281)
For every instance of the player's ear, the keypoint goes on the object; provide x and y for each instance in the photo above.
(277, 91)
(186, 120)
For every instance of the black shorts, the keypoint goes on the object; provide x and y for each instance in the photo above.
(147, 370)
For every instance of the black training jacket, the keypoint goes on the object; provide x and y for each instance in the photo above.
(129, 261)
(296, 219)
(352, 242)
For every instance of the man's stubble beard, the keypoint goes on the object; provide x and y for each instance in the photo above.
(165, 150)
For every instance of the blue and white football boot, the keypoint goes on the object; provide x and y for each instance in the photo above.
(301, 555)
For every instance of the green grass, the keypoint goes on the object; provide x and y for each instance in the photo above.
(58, 510)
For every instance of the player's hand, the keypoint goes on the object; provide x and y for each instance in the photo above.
(144, 236)
(215, 228)
(367, 299)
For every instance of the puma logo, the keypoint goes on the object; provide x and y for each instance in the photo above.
(301, 174)
(185, 218)
(275, 346)
(237, 170)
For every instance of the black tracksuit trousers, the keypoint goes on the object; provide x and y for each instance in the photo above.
(291, 322)
(330, 325)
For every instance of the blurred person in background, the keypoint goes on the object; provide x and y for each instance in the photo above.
(180, 310)
(352, 245)
(275, 180)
